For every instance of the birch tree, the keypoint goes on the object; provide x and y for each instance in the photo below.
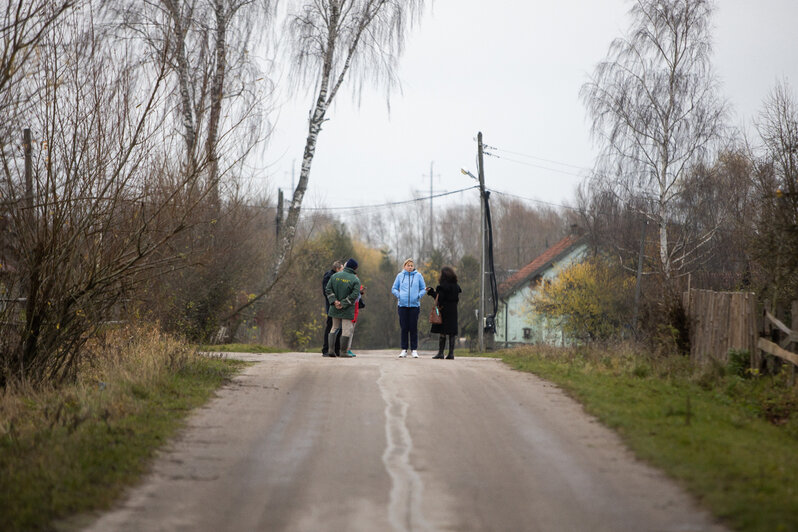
(219, 94)
(655, 114)
(219, 90)
(333, 40)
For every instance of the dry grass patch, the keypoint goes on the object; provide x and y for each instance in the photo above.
(74, 448)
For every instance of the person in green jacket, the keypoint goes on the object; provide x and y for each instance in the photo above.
(343, 291)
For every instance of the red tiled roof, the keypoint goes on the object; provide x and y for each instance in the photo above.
(543, 260)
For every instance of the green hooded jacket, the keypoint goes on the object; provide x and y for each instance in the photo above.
(344, 286)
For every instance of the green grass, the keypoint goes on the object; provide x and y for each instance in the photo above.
(730, 441)
(70, 452)
(241, 348)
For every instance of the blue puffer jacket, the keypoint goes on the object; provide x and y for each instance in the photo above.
(409, 288)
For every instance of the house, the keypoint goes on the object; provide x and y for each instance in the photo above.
(516, 322)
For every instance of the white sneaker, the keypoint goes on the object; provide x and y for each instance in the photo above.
(403, 354)
(415, 354)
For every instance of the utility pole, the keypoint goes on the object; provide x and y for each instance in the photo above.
(481, 325)
(431, 215)
(429, 235)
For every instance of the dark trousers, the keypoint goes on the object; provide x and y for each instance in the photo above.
(408, 323)
(327, 328)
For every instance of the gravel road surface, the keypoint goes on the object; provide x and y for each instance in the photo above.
(299, 442)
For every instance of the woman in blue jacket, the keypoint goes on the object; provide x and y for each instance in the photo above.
(409, 288)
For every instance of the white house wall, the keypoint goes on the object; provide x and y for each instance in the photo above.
(520, 315)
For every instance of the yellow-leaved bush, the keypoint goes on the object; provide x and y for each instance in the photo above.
(591, 300)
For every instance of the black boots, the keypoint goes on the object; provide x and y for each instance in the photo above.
(450, 356)
(441, 345)
(331, 341)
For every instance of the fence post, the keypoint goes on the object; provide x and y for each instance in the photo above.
(765, 329)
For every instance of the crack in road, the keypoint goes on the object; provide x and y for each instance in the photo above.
(404, 510)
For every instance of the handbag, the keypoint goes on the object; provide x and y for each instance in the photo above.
(435, 317)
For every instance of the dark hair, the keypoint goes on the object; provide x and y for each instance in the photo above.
(448, 275)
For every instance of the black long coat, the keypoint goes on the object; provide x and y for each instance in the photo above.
(448, 296)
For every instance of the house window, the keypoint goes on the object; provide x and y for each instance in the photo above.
(527, 333)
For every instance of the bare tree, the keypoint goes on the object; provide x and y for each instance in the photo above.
(23, 24)
(775, 241)
(219, 90)
(656, 114)
(522, 233)
(332, 38)
(104, 204)
(218, 96)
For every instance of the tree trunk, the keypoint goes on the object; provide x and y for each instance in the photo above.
(186, 107)
(217, 95)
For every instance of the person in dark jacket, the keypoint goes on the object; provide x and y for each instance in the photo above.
(343, 293)
(448, 294)
(337, 266)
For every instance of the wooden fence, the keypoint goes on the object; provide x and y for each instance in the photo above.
(720, 321)
(774, 329)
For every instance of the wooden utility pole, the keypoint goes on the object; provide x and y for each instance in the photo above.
(481, 324)
(428, 244)
(431, 215)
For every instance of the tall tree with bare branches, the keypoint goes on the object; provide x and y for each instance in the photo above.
(101, 205)
(775, 236)
(219, 90)
(23, 24)
(333, 40)
(656, 113)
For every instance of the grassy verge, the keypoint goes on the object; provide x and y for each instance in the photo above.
(730, 440)
(74, 449)
(240, 348)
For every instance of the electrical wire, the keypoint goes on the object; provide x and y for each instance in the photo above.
(543, 159)
(389, 204)
(516, 196)
(533, 165)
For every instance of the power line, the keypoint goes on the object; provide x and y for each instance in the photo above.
(542, 159)
(494, 191)
(535, 165)
(389, 204)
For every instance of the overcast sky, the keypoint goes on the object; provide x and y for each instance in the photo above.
(512, 70)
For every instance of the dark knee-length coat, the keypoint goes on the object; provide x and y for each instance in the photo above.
(448, 295)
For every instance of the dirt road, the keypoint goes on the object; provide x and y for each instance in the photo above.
(305, 443)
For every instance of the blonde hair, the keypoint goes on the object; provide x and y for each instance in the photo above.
(408, 260)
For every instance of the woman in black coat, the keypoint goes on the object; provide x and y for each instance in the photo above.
(448, 293)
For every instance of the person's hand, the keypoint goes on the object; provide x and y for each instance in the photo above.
(338, 305)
